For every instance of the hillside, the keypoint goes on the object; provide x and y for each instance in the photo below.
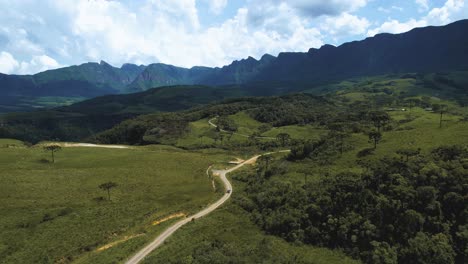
(376, 174)
(76, 82)
(377, 170)
(84, 119)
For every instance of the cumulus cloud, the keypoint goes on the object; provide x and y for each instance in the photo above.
(7, 63)
(76, 31)
(450, 11)
(262, 11)
(217, 6)
(38, 64)
(423, 5)
(345, 24)
(444, 14)
(395, 26)
(40, 35)
(322, 7)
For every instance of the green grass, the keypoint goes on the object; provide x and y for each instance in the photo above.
(52, 212)
(230, 225)
(423, 132)
(4, 142)
(246, 126)
(196, 135)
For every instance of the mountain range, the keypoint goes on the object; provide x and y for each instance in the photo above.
(429, 49)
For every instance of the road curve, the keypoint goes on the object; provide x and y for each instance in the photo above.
(168, 232)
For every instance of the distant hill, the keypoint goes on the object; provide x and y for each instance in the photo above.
(239, 72)
(422, 50)
(89, 79)
(81, 120)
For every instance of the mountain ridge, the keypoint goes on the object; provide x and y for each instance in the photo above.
(427, 49)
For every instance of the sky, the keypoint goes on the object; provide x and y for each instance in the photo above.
(37, 35)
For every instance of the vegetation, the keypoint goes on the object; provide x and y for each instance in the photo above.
(229, 236)
(56, 213)
(397, 210)
(52, 148)
(107, 187)
(377, 171)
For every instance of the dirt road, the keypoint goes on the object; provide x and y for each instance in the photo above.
(162, 237)
(86, 145)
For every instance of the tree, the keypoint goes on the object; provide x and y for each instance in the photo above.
(379, 119)
(253, 138)
(265, 159)
(412, 102)
(375, 136)
(229, 135)
(227, 124)
(107, 187)
(424, 249)
(440, 108)
(283, 138)
(383, 253)
(339, 136)
(52, 148)
(408, 153)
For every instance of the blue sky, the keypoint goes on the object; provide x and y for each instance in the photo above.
(37, 35)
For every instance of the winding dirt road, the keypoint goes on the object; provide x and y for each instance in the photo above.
(168, 232)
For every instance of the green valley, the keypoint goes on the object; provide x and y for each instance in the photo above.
(356, 153)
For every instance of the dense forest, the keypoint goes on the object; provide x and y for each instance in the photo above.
(411, 209)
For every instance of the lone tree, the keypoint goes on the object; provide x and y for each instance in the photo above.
(52, 148)
(440, 108)
(107, 187)
(283, 138)
(375, 136)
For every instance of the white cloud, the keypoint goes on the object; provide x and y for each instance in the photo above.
(323, 7)
(217, 6)
(75, 31)
(345, 24)
(389, 10)
(7, 63)
(450, 11)
(38, 64)
(444, 14)
(423, 5)
(395, 26)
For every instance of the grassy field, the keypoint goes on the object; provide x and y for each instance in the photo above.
(418, 129)
(56, 212)
(229, 236)
(247, 126)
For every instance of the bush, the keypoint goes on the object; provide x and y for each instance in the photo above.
(365, 152)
